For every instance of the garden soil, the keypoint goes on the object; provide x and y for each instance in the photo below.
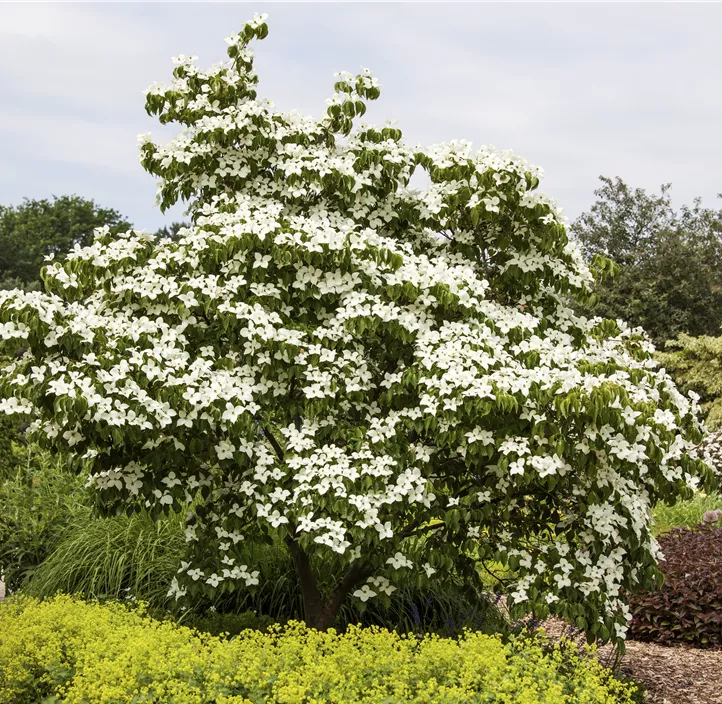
(671, 674)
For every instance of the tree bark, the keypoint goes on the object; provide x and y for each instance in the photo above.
(320, 613)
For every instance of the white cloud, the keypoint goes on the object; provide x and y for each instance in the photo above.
(581, 89)
(77, 52)
(103, 146)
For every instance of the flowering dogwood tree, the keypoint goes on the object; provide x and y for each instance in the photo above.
(388, 377)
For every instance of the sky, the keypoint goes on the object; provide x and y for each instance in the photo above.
(581, 89)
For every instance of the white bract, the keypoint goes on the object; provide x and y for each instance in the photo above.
(390, 378)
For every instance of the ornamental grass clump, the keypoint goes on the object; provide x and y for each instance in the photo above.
(388, 379)
(118, 557)
(69, 651)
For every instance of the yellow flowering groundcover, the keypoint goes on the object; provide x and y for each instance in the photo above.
(71, 651)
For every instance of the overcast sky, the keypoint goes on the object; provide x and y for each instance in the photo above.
(584, 90)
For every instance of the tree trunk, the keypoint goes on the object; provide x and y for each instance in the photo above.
(320, 613)
(321, 617)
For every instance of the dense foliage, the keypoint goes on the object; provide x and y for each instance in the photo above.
(82, 652)
(688, 607)
(384, 379)
(51, 542)
(136, 557)
(696, 364)
(11, 445)
(38, 500)
(670, 262)
(37, 228)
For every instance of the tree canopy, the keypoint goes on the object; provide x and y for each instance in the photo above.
(381, 376)
(37, 228)
(670, 262)
(696, 364)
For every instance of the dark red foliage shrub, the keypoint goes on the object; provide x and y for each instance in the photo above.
(688, 607)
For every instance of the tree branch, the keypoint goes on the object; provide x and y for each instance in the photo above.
(355, 574)
(410, 531)
(274, 444)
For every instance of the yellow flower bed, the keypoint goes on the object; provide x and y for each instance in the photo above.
(84, 653)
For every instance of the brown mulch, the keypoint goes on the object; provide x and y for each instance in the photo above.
(671, 675)
(675, 675)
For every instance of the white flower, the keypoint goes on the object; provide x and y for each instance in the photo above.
(306, 523)
(214, 580)
(175, 590)
(485, 437)
(73, 437)
(516, 467)
(383, 585)
(364, 593)
(398, 561)
(276, 519)
(562, 580)
(629, 415)
(225, 450)
(384, 530)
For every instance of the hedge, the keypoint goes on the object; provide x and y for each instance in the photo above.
(70, 651)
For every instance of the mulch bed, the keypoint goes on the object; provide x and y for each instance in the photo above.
(674, 674)
(671, 674)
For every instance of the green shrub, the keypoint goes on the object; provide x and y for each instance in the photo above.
(227, 624)
(86, 652)
(38, 500)
(684, 513)
(688, 607)
(12, 449)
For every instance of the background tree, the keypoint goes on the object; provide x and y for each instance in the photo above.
(383, 380)
(696, 364)
(36, 228)
(170, 231)
(670, 277)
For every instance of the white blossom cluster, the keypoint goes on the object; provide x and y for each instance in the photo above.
(332, 358)
(711, 451)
